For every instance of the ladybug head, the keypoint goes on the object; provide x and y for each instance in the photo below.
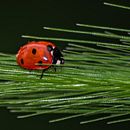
(57, 56)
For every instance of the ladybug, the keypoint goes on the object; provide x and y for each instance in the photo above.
(35, 54)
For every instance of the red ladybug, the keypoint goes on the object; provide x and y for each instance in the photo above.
(39, 52)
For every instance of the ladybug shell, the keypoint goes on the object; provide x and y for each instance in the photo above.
(33, 53)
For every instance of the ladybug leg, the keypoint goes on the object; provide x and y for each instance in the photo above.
(42, 73)
(54, 68)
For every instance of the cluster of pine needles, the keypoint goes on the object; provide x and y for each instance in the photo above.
(94, 80)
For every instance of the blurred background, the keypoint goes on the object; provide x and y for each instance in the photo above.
(28, 18)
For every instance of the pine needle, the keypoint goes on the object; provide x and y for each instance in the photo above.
(115, 5)
(102, 27)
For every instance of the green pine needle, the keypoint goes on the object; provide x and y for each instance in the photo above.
(115, 5)
(102, 27)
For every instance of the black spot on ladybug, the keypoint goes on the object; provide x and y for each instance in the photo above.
(34, 51)
(49, 48)
(40, 62)
(22, 61)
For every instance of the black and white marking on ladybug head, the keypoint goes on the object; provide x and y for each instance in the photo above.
(49, 48)
(60, 61)
(57, 56)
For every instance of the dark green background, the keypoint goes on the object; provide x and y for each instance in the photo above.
(28, 17)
